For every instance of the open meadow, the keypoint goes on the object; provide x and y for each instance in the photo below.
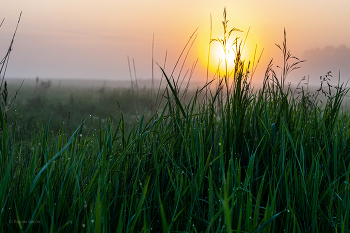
(223, 158)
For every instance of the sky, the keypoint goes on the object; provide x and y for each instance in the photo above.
(90, 39)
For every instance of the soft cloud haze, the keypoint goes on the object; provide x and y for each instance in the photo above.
(334, 59)
(91, 39)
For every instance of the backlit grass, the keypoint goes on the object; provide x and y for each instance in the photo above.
(237, 161)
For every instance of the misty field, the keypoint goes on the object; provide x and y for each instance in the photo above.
(223, 158)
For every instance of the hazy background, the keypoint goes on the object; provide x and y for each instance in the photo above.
(90, 39)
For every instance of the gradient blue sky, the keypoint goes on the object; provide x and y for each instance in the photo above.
(91, 39)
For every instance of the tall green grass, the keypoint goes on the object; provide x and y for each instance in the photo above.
(237, 161)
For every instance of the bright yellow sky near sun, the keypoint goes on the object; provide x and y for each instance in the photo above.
(92, 39)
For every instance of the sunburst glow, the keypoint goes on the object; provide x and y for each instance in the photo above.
(229, 56)
(217, 55)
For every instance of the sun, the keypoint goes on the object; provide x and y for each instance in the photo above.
(218, 57)
(212, 55)
(217, 54)
(229, 56)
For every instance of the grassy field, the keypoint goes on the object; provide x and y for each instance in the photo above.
(66, 103)
(67, 106)
(270, 160)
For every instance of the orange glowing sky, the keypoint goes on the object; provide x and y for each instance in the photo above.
(92, 39)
